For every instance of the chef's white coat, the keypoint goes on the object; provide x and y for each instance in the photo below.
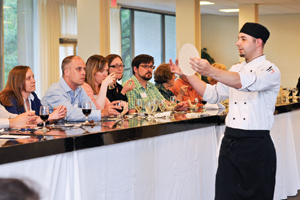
(252, 106)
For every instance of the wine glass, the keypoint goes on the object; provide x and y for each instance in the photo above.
(173, 102)
(138, 106)
(149, 107)
(162, 105)
(155, 103)
(44, 115)
(120, 110)
(86, 110)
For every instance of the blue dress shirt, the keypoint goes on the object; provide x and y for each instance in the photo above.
(61, 94)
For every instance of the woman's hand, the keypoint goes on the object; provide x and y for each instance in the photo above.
(174, 67)
(181, 106)
(58, 113)
(129, 85)
(110, 109)
(181, 92)
(111, 78)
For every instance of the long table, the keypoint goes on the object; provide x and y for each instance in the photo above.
(174, 159)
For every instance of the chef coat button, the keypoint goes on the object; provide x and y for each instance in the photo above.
(235, 102)
(245, 103)
(233, 118)
(250, 70)
(244, 118)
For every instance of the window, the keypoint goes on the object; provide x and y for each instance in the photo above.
(19, 35)
(147, 33)
(10, 36)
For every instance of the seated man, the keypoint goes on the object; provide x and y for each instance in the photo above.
(9, 120)
(142, 69)
(68, 92)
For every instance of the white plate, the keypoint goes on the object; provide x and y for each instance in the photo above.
(186, 52)
(61, 125)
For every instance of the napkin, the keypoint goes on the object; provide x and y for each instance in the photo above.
(163, 114)
(193, 115)
(215, 106)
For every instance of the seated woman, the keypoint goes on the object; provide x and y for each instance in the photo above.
(96, 83)
(164, 82)
(218, 66)
(115, 90)
(18, 95)
(190, 94)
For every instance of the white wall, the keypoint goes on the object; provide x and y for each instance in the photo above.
(219, 35)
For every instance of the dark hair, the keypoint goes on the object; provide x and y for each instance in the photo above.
(66, 61)
(111, 57)
(142, 58)
(14, 86)
(15, 189)
(94, 64)
(163, 73)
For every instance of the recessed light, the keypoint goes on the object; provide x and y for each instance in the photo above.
(203, 3)
(229, 10)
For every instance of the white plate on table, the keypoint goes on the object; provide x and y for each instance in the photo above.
(91, 124)
(60, 125)
(186, 52)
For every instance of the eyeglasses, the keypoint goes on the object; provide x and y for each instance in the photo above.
(148, 66)
(117, 66)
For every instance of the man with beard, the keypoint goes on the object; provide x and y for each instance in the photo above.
(247, 159)
(142, 69)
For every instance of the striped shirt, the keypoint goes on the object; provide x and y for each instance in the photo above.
(151, 91)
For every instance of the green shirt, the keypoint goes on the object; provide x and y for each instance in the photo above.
(165, 92)
(151, 91)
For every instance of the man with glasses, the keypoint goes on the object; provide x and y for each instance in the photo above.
(142, 69)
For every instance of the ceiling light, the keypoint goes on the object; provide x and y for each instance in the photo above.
(229, 10)
(203, 3)
(6, 7)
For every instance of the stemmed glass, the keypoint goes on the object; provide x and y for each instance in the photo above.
(44, 115)
(86, 110)
(138, 106)
(149, 105)
(155, 103)
(173, 102)
(120, 110)
(162, 105)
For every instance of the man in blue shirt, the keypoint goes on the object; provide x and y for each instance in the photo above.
(68, 92)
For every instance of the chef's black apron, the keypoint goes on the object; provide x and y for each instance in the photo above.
(247, 166)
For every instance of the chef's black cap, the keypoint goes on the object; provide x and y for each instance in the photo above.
(256, 30)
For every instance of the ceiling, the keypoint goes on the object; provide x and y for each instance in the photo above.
(266, 7)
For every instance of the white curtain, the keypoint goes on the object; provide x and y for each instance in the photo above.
(57, 19)
(68, 13)
(115, 31)
(49, 33)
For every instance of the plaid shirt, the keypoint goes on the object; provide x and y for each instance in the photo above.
(151, 91)
(165, 92)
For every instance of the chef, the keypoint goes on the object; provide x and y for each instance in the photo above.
(247, 159)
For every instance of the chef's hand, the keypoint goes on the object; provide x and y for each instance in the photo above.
(202, 66)
(175, 68)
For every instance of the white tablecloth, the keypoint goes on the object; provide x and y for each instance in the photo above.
(174, 166)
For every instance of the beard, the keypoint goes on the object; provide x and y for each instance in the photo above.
(146, 78)
(242, 55)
